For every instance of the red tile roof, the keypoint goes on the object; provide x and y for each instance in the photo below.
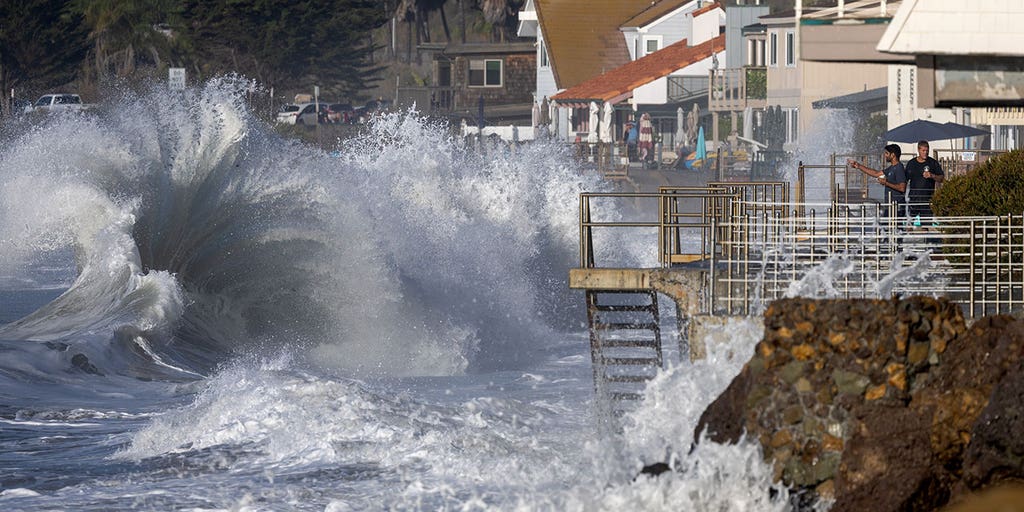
(706, 8)
(583, 37)
(619, 83)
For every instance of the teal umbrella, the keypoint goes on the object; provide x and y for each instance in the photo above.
(702, 150)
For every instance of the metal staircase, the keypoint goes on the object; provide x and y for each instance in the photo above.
(625, 345)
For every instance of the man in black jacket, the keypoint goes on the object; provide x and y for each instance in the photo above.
(923, 172)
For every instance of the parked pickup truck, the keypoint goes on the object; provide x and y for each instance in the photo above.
(57, 102)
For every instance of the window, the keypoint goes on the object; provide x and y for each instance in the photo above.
(651, 44)
(790, 49)
(544, 56)
(773, 49)
(444, 73)
(792, 125)
(485, 73)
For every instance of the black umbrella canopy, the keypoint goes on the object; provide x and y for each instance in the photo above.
(921, 129)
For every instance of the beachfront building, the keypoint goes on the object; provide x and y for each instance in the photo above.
(947, 60)
(974, 70)
(795, 84)
(489, 83)
(578, 41)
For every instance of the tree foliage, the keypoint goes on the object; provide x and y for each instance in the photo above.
(288, 45)
(992, 188)
(41, 46)
(127, 35)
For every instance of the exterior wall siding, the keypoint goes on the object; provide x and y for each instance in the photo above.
(823, 80)
(737, 18)
(672, 30)
(546, 86)
(518, 81)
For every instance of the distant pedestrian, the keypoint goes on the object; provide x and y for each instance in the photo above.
(923, 172)
(646, 140)
(893, 177)
(632, 134)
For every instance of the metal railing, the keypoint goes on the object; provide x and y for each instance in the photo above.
(756, 247)
(857, 251)
(431, 99)
(681, 88)
(685, 216)
(961, 161)
(858, 9)
(734, 89)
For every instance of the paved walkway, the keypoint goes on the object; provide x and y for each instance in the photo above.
(645, 180)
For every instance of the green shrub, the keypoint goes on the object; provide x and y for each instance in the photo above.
(996, 187)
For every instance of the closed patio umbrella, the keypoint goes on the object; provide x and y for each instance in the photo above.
(606, 123)
(680, 137)
(554, 119)
(595, 112)
(702, 150)
(646, 142)
(480, 115)
(545, 112)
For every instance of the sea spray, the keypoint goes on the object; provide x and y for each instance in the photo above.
(404, 252)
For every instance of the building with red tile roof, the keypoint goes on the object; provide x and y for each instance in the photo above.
(583, 38)
(618, 84)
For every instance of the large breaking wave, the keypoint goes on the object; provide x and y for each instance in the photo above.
(198, 233)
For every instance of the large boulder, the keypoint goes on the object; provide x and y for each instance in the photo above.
(876, 404)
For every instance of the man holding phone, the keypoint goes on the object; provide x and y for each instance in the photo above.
(893, 177)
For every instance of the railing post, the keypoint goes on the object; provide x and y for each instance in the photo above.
(971, 269)
(801, 198)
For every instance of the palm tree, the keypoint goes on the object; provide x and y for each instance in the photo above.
(501, 14)
(126, 34)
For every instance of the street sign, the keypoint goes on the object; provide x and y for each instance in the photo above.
(176, 79)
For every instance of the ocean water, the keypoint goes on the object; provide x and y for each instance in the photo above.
(196, 314)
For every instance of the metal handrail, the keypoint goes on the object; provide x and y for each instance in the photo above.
(758, 249)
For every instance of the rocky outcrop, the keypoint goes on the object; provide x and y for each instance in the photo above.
(880, 405)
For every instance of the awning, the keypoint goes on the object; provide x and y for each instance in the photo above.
(872, 100)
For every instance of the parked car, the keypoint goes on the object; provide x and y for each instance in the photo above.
(363, 114)
(57, 102)
(340, 113)
(302, 114)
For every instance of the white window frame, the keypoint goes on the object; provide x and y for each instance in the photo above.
(792, 125)
(542, 58)
(501, 73)
(790, 49)
(773, 49)
(647, 39)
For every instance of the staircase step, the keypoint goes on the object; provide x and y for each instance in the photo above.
(627, 378)
(618, 395)
(607, 326)
(625, 307)
(630, 343)
(631, 361)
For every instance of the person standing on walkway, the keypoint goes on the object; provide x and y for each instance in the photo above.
(646, 142)
(923, 172)
(893, 177)
(632, 135)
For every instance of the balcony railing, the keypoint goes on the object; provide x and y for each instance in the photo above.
(682, 88)
(856, 9)
(735, 89)
(431, 100)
